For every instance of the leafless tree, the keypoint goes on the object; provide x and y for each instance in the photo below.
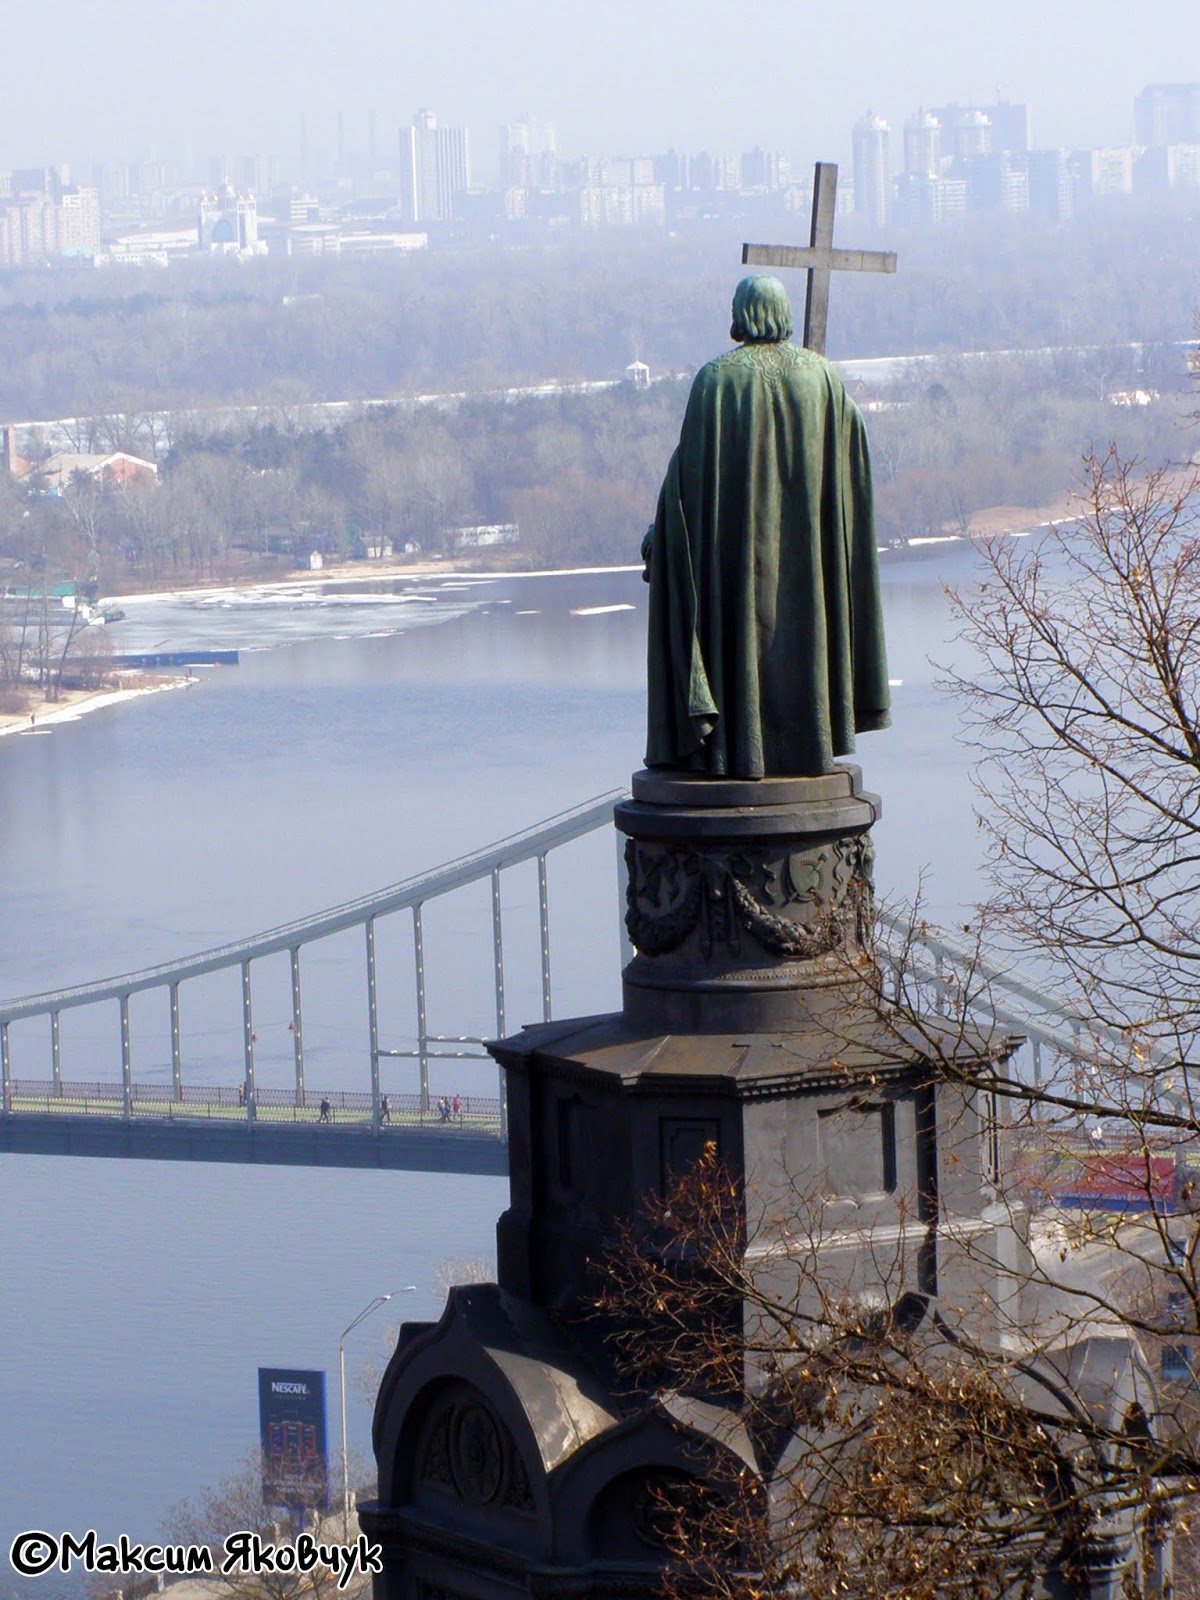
(957, 1451)
(236, 1504)
(1085, 706)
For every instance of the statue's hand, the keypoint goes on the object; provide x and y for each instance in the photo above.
(647, 546)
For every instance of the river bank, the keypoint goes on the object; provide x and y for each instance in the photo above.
(992, 522)
(71, 705)
(75, 703)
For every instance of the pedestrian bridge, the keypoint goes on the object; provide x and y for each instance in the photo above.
(142, 1104)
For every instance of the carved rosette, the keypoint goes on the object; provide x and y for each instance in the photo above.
(469, 1452)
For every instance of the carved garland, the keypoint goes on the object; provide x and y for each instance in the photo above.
(658, 935)
(780, 936)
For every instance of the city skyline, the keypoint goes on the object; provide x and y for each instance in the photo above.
(957, 159)
(620, 78)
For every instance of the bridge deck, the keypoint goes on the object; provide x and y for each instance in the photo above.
(247, 1119)
(399, 1147)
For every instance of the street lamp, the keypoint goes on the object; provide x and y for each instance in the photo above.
(379, 1300)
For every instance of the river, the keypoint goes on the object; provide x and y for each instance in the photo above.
(363, 737)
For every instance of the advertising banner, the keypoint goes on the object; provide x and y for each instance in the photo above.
(291, 1421)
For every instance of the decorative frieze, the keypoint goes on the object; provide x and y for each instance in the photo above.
(747, 901)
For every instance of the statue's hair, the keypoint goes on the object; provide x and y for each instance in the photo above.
(761, 311)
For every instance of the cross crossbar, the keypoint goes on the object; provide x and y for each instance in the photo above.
(790, 255)
(818, 257)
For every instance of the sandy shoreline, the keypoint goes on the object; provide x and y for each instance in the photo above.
(1018, 520)
(75, 703)
(72, 704)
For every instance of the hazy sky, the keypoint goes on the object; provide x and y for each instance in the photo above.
(615, 76)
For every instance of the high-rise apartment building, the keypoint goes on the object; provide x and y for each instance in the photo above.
(971, 135)
(528, 153)
(29, 235)
(434, 169)
(112, 180)
(673, 170)
(1049, 185)
(37, 180)
(77, 217)
(149, 178)
(872, 178)
(622, 205)
(36, 225)
(1006, 124)
(923, 146)
(1101, 174)
(1160, 168)
(918, 200)
(1167, 113)
(1183, 166)
(607, 170)
(260, 174)
(766, 169)
(711, 171)
(997, 181)
(1010, 126)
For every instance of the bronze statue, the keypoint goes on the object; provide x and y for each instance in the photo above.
(766, 651)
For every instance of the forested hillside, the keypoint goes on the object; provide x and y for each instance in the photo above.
(579, 473)
(208, 333)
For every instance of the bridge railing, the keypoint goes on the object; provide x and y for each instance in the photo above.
(932, 957)
(992, 989)
(220, 1103)
(129, 1098)
(936, 961)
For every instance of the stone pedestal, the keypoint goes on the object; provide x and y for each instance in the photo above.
(749, 902)
(514, 1459)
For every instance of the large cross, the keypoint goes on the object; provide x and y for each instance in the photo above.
(819, 256)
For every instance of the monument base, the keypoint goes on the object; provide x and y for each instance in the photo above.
(749, 902)
(515, 1456)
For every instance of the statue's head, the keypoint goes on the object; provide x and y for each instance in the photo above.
(762, 313)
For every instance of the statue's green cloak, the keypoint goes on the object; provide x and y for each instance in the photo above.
(766, 650)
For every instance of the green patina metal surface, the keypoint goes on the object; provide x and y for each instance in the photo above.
(766, 648)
